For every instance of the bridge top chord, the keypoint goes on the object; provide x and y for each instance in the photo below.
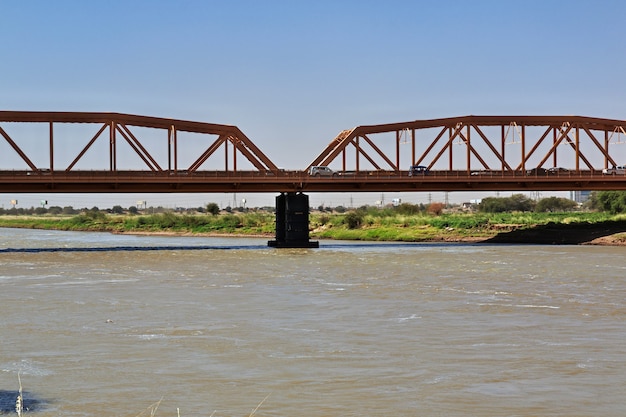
(131, 153)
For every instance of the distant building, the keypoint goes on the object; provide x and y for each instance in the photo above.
(580, 196)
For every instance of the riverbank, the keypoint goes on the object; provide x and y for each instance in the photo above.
(575, 236)
(610, 233)
(373, 225)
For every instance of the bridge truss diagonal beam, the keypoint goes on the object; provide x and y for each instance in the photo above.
(435, 144)
(18, 150)
(123, 125)
(470, 153)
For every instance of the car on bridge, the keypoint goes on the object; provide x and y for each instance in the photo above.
(418, 170)
(558, 170)
(321, 171)
(537, 171)
(481, 172)
(619, 170)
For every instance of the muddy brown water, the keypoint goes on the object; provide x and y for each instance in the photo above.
(106, 325)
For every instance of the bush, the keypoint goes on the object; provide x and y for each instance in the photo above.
(353, 219)
(517, 202)
(55, 210)
(435, 208)
(460, 221)
(213, 209)
(80, 220)
(408, 209)
(555, 204)
(323, 219)
(94, 214)
(232, 221)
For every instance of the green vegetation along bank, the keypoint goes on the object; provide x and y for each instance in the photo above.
(368, 224)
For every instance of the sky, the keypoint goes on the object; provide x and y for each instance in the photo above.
(292, 74)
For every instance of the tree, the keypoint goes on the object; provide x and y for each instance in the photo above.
(408, 209)
(55, 210)
(555, 204)
(213, 208)
(117, 210)
(517, 202)
(611, 201)
(133, 210)
(493, 205)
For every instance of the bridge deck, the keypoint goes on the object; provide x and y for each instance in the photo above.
(296, 181)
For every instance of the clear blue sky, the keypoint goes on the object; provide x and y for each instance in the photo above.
(292, 74)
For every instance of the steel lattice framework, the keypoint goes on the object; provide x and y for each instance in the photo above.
(582, 135)
(119, 127)
(488, 153)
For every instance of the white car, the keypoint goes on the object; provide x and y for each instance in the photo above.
(620, 170)
(321, 171)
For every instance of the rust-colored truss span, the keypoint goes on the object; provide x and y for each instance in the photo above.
(119, 127)
(472, 153)
(484, 142)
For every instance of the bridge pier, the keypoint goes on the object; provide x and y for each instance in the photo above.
(292, 222)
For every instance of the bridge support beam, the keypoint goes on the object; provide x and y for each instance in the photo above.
(292, 222)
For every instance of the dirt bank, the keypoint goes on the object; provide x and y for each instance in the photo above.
(605, 233)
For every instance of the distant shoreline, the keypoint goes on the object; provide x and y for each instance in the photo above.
(599, 241)
(546, 239)
(513, 228)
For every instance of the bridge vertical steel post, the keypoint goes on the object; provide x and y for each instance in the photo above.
(51, 142)
(292, 222)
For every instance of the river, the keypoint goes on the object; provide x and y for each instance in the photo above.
(95, 324)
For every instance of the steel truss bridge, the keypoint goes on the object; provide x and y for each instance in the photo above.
(83, 152)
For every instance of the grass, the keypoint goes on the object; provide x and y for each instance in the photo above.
(371, 224)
